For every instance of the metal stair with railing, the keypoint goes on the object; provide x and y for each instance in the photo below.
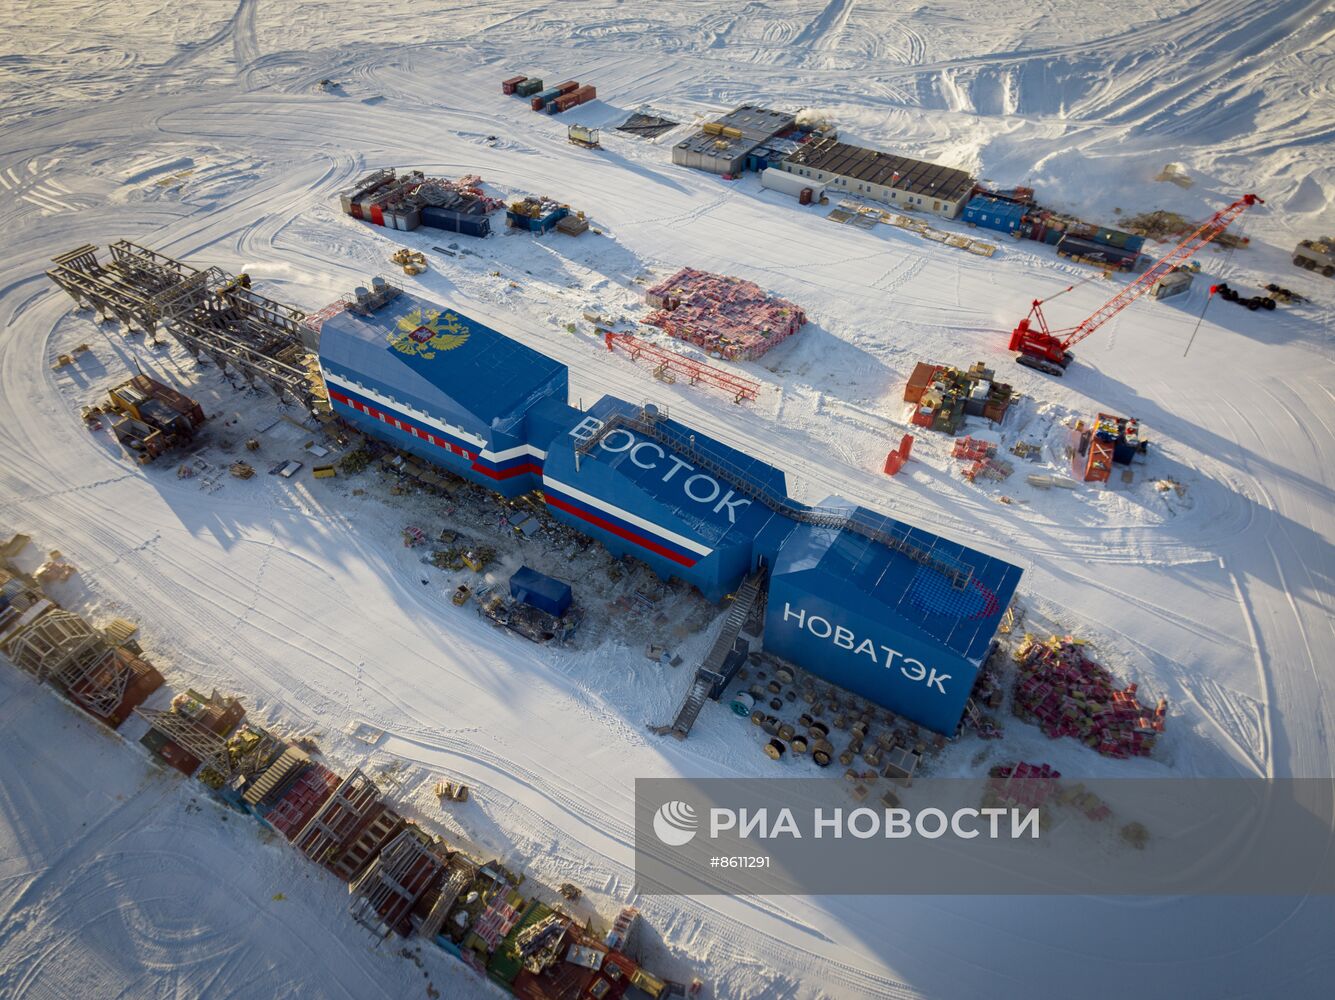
(710, 676)
(651, 422)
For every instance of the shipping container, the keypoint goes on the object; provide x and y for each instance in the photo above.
(1119, 239)
(456, 222)
(569, 87)
(994, 213)
(588, 92)
(541, 591)
(508, 86)
(529, 87)
(540, 100)
(1098, 253)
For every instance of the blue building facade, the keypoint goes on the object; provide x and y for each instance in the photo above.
(894, 629)
(897, 614)
(445, 388)
(994, 213)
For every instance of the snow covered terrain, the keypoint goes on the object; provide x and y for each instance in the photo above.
(199, 130)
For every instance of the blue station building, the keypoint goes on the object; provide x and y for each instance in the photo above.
(892, 612)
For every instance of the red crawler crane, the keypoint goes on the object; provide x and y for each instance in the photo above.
(1050, 352)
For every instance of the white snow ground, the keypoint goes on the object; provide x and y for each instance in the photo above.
(198, 130)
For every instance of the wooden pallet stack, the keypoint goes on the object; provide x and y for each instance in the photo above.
(1067, 694)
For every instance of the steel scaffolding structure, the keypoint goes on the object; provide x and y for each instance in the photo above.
(61, 648)
(338, 820)
(199, 741)
(229, 760)
(395, 881)
(208, 311)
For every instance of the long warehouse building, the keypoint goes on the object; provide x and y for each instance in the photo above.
(896, 614)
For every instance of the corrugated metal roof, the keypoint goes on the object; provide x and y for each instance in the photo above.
(885, 169)
(757, 123)
(441, 360)
(915, 596)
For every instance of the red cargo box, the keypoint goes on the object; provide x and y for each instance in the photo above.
(508, 86)
(570, 86)
(586, 93)
(536, 104)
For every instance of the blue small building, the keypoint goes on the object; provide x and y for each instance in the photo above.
(541, 591)
(994, 213)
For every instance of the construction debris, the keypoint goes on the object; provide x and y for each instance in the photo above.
(452, 791)
(943, 396)
(413, 262)
(729, 317)
(242, 470)
(1067, 694)
(1111, 440)
(535, 214)
(1024, 786)
(1175, 173)
(1162, 226)
(54, 570)
(669, 365)
(1285, 295)
(647, 124)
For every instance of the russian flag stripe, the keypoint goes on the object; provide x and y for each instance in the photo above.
(517, 466)
(621, 532)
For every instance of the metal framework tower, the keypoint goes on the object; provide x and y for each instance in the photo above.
(208, 311)
(61, 648)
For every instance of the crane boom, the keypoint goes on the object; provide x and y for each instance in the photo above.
(1176, 257)
(1046, 351)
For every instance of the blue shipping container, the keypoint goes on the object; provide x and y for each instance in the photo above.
(993, 213)
(550, 94)
(456, 222)
(540, 591)
(1074, 246)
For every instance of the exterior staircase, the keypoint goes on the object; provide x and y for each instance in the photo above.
(710, 678)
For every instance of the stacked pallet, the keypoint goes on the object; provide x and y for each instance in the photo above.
(981, 456)
(727, 316)
(1022, 785)
(1067, 694)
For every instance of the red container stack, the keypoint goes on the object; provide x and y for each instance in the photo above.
(575, 97)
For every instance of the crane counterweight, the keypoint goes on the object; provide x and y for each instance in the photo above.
(1042, 349)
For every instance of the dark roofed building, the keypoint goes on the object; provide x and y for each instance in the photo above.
(880, 176)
